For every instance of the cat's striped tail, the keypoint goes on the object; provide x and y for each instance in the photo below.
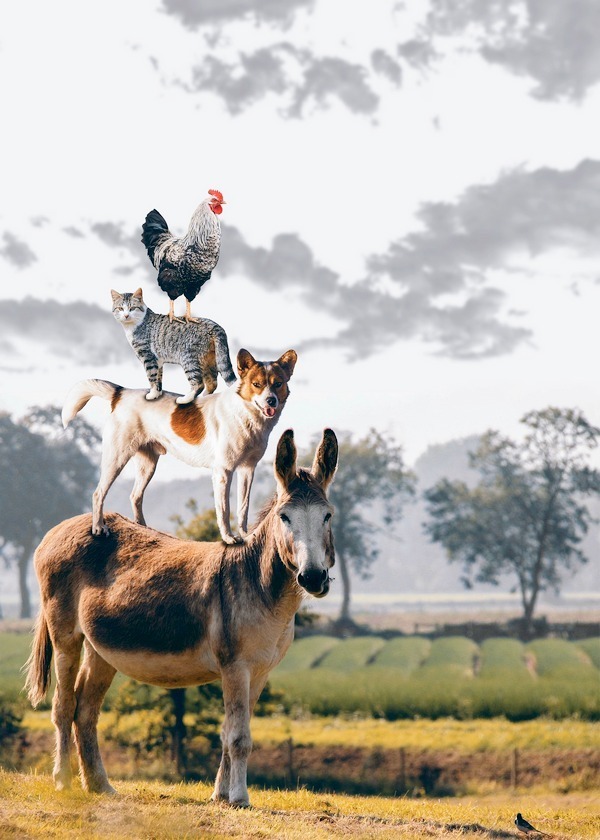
(82, 392)
(222, 355)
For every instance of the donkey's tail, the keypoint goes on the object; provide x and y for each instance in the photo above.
(82, 392)
(222, 355)
(38, 664)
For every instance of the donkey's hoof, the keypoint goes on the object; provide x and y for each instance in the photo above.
(240, 803)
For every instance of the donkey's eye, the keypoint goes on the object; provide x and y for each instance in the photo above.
(327, 518)
(284, 518)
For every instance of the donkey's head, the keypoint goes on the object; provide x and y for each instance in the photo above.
(304, 534)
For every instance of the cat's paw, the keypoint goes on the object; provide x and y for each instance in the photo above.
(153, 394)
(187, 399)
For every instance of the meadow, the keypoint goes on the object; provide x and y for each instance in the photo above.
(30, 809)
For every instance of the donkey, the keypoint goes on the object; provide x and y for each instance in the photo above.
(175, 613)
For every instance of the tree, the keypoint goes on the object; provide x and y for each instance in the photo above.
(370, 471)
(45, 477)
(527, 515)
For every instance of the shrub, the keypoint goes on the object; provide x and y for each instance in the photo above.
(350, 654)
(406, 654)
(307, 652)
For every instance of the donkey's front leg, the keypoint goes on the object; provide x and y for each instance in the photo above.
(221, 791)
(237, 743)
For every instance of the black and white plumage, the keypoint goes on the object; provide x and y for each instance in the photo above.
(185, 264)
(526, 827)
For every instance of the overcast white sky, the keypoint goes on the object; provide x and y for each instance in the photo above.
(413, 199)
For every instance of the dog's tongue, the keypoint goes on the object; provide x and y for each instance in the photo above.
(270, 412)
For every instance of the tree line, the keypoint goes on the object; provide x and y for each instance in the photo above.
(524, 517)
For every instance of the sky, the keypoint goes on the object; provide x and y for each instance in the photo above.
(413, 200)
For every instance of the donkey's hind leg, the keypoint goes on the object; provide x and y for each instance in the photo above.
(93, 681)
(145, 460)
(67, 650)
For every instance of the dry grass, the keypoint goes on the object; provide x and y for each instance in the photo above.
(30, 810)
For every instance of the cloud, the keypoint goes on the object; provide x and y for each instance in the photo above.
(76, 331)
(196, 13)
(405, 291)
(554, 42)
(298, 76)
(385, 65)
(16, 251)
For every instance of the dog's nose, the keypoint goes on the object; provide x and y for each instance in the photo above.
(272, 401)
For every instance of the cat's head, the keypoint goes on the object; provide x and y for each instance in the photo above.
(128, 307)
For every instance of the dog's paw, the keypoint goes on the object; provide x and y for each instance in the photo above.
(100, 531)
(230, 539)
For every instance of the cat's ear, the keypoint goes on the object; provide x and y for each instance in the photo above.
(115, 295)
(138, 293)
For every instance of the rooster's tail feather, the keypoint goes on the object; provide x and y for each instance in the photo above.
(154, 230)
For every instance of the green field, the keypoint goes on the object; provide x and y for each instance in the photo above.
(412, 677)
(449, 677)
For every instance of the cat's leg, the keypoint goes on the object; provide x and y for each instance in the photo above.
(209, 377)
(191, 368)
(146, 460)
(153, 370)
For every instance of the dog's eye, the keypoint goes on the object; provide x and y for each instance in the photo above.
(277, 384)
(257, 385)
(284, 518)
(327, 518)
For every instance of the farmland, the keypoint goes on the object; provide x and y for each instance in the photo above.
(448, 677)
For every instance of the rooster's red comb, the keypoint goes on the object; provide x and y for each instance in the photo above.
(217, 194)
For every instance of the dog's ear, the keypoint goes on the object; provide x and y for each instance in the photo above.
(285, 460)
(326, 459)
(245, 360)
(115, 295)
(288, 362)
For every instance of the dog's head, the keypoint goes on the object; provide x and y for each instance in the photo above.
(265, 384)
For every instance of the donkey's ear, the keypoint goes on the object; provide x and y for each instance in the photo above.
(326, 458)
(245, 360)
(288, 361)
(285, 460)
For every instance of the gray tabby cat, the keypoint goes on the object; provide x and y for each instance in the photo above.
(200, 348)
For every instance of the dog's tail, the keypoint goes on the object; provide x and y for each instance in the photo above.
(82, 392)
(222, 355)
(38, 664)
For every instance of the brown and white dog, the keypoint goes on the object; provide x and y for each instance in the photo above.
(225, 431)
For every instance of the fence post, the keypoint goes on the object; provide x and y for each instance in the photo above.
(402, 769)
(514, 769)
(290, 760)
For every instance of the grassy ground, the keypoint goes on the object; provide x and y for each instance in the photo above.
(31, 810)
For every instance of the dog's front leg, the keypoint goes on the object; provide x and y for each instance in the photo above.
(245, 476)
(221, 487)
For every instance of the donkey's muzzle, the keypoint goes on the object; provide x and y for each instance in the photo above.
(315, 581)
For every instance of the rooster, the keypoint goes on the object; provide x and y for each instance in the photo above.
(184, 265)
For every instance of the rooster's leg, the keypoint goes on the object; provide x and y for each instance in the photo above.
(188, 314)
(172, 316)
